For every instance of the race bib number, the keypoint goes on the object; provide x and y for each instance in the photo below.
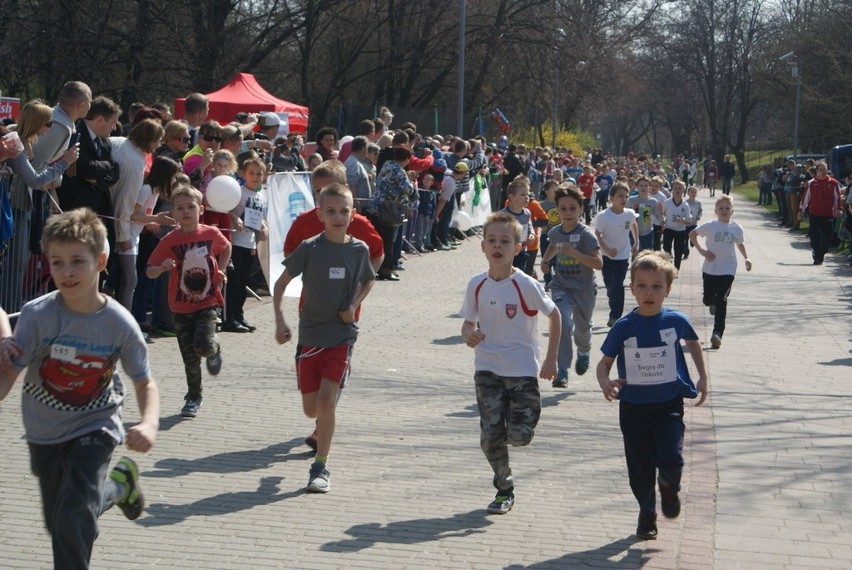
(201, 251)
(649, 366)
(336, 272)
(253, 218)
(62, 352)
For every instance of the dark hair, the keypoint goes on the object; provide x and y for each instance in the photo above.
(401, 137)
(366, 127)
(147, 113)
(570, 192)
(359, 143)
(401, 153)
(378, 125)
(102, 107)
(325, 131)
(161, 175)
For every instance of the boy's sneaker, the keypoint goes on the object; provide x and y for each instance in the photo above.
(311, 441)
(561, 379)
(611, 322)
(190, 408)
(712, 309)
(716, 340)
(669, 501)
(318, 478)
(647, 527)
(582, 364)
(502, 503)
(214, 363)
(126, 474)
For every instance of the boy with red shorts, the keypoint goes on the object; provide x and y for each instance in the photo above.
(337, 276)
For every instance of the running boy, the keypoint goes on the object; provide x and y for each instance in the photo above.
(652, 382)
(337, 276)
(196, 255)
(500, 323)
(614, 228)
(720, 262)
(677, 215)
(517, 198)
(695, 210)
(576, 255)
(70, 342)
(645, 205)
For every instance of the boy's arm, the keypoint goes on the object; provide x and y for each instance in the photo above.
(142, 436)
(634, 231)
(282, 331)
(8, 375)
(554, 332)
(154, 271)
(348, 316)
(698, 358)
(693, 238)
(471, 334)
(610, 388)
(223, 259)
(741, 247)
(593, 259)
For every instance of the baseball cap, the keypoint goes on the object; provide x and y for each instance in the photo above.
(269, 119)
(461, 167)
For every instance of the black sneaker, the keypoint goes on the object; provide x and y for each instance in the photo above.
(502, 503)
(561, 380)
(647, 527)
(318, 478)
(246, 324)
(214, 363)
(190, 408)
(234, 327)
(582, 364)
(126, 474)
(669, 501)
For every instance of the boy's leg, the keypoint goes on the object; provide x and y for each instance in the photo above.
(614, 272)
(565, 303)
(491, 400)
(668, 238)
(185, 329)
(678, 242)
(524, 410)
(204, 341)
(638, 430)
(322, 405)
(72, 478)
(709, 291)
(532, 256)
(237, 280)
(646, 241)
(658, 235)
(722, 290)
(520, 260)
(584, 306)
(669, 450)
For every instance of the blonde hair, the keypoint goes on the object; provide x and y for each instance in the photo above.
(654, 261)
(175, 130)
(189, 192)
(725, 198)
(226, 155)
(336, 189)
(503, 218)
(35, 114)
(76, 226)
(330, 169)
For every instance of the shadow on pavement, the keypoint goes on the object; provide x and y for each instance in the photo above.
(471, 411)
(231, 461)
(602, 557)
(450, 340)
(411, 531)
(161, 514)
(554, 399)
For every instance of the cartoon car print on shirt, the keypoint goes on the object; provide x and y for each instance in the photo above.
(79, 381)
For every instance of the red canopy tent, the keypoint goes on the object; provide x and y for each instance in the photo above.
(244, 94)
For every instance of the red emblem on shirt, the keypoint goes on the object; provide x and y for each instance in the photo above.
(511, 311)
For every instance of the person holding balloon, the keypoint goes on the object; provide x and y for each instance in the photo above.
(224, 164)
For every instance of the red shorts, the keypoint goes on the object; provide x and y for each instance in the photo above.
(315, 363)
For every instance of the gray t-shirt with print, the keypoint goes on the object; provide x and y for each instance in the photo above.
(645, 207)
(568, 273)
(331, 273)
(71, 386)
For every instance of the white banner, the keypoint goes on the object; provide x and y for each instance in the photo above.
(479, 213)
(286, 194)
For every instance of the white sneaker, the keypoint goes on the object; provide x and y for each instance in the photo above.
(715, 340)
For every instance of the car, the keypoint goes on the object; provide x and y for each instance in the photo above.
(840, 161)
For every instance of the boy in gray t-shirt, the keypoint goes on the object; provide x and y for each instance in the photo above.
(337, 276)
(70, 342)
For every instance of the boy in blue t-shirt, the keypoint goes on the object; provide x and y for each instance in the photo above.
(652, 382)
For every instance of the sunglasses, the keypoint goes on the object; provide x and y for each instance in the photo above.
(186, 140)
(211, 138)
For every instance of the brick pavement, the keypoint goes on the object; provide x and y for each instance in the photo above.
(768, 459)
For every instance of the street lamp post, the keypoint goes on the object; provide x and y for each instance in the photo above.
(792, 60)
(557, 65)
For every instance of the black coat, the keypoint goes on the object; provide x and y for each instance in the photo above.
(86, 183)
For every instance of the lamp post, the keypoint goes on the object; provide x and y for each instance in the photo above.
(555, 110)
(792, 60)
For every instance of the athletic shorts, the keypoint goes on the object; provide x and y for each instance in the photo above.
(315, 363)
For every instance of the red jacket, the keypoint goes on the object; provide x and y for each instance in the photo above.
(823, 198)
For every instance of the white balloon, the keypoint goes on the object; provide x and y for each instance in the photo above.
(463, 221)
(106, 246)
(345, 140)
(223, 194)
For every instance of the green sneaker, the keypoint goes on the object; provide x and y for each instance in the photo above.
(126, 474)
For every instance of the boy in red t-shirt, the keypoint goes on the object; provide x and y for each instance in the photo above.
(198, 255)
(586, 182)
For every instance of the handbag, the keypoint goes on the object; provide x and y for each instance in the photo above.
(392, 213)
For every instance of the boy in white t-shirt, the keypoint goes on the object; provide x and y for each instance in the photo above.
(500, 322)
(677, 216)
(614, 228)
(720, 262)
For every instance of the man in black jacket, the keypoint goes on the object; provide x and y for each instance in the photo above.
(728, 171)
(512, 167)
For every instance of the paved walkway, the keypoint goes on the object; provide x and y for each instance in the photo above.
(767, 483)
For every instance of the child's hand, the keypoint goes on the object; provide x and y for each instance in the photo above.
(282, 333)
(263, 235)
(141, 437)
(347, 316)
(709, 255)
(611, 388)
(567, 248)
(168, 265)
(748, 264)
(239, 225)
(548, 370)
(206, 160)
(222, 277)
(609, 251)
(9, 349)
(153, 227)
(702, 391)
(473, 338)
